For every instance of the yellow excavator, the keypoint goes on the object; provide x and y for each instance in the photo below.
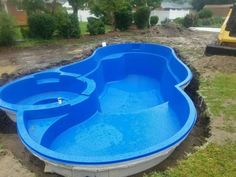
(226, 44)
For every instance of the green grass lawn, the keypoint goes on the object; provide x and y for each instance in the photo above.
(209, 161)
(83, 28)
(220, 95)
(212, 160)
(30, 42)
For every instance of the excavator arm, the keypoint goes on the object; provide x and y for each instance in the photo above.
(226, 44)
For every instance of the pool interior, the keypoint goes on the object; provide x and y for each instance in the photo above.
(44, 89)
(133, 106)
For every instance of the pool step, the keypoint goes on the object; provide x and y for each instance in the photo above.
(112, 133)
(38, 127)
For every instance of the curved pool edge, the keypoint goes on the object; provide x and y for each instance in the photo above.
(12, 109)
(119, 168)
(164, 145)
(56, 157)
(183, 84)
(110, 170)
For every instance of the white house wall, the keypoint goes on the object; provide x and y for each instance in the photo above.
(178, 14)
(162, 14)
(82, 14)
(170, 14)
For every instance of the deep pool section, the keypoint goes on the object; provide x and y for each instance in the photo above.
(132, 93)
(122, 103)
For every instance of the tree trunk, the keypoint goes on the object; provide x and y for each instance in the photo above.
(75, 11)
(54, 6)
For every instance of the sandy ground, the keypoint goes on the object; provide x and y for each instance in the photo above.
(16, 161)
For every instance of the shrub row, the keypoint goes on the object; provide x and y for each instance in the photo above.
(123, 19)
(43, 25)
(203, 18)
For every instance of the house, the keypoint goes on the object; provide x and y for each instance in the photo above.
(82, 14)
(16, 11)
(175, 6)
(58, 1)
(220, 10)
(171, 10)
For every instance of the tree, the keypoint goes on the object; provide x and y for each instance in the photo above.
(32, 6)
(154, 3)
(77, 4)
(141, 17)
(180, 1)
(151, 3)
(123, 17)
(1, 6)
(198, 4)
(107, 8)
(7, 29)
(205, 13)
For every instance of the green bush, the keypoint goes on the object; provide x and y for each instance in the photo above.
(95, 26)
(7, 30)
(179, 21)
(218, 21)
(205, 22)
(190, 20)
(123, 18)
(25, 32)
(154, 20)
(211, 22)
(67, 25)
(141, 17)
(41, 25)
(205, 13)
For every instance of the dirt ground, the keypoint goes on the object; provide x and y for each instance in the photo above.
(16, 161)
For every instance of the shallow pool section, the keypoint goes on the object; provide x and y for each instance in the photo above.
(118, 112)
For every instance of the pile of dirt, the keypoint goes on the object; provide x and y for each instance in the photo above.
(172, 30)
(224, 64)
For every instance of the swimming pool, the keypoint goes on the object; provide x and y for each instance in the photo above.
(118, 112)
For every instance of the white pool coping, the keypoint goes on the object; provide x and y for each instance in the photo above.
(112, 170)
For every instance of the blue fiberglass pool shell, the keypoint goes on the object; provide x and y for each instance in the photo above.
(124, 102)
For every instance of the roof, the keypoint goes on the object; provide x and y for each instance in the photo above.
(220, 10)
(218, 6)
(172, 5)
(59, 1)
